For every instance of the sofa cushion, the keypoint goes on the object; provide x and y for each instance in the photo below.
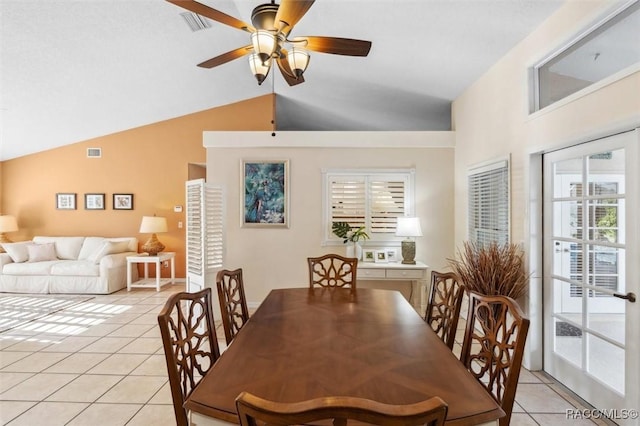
(66, 247)
(131, 241)
(29, 268)
(17, 251)
(77, 268)
(109, 247)
(90, 246)
(42, 252)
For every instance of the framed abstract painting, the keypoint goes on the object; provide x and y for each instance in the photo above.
(265, 193)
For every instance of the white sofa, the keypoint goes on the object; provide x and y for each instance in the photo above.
(93, 265)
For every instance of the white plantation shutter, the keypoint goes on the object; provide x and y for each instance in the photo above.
(204, 232)
(370, 198)
(489, 203)
(348, 200)
(387, 204)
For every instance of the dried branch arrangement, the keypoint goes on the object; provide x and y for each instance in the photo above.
(492, 269)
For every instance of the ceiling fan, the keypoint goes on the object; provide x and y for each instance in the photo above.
(272, 24)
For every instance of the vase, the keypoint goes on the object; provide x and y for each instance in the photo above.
(354, 250)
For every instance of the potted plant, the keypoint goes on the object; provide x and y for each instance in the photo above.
(352, 236)
(492, 269)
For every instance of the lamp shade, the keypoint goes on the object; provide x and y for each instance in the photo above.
(153, 225)
(408, 227)
(8, 223)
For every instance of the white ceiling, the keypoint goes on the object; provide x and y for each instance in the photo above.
(73, 70)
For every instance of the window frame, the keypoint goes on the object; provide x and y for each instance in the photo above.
(388, 175)
(612, 15)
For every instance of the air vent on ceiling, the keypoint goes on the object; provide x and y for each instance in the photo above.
(94, 152)
(195, 22)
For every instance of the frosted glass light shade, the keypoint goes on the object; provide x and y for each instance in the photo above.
(264, 44)
(258, 68)
(298, 60)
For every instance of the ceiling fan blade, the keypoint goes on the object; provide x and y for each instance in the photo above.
(211, 13)
(290, 12)
(335, 45)
(285, 70)
(226, 57)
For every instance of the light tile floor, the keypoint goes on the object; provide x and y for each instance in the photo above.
(101, 363)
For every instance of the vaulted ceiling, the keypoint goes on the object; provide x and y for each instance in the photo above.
(72, 70)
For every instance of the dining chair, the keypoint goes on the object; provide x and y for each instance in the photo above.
(190, 344)
(333, 270)
(233, 302)
(254, 410)
(443, 308)
(493, 346)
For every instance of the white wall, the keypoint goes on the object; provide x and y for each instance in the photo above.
(491, 120)
(276, 258)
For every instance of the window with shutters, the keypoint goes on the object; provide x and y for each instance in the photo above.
(489, 203)
(370, 198)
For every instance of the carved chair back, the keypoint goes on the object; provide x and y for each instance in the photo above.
(333, 270)
(190, 344)
(493, 346)
(254, 411)
(233, 302)
(443, 309)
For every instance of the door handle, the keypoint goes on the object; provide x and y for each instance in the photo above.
(631, 297)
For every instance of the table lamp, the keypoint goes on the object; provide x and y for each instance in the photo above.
(153, 225)
(8, 223)
(408, 227)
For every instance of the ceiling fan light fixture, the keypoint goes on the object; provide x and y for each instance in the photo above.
(264, 44)
(298, 60)
(259, 68)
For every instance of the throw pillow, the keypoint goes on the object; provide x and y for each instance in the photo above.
(17, 251)
(42, 252)
(108, 247)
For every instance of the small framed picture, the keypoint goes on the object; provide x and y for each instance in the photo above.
(123, 201)
(94, 201)
(392, 255)
(65, 201)
(381, 256)
(368, 255)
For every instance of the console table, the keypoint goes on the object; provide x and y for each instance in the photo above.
(147, 282)
(393, 271)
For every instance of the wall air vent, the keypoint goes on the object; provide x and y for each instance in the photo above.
(195, 22)
(94, 152)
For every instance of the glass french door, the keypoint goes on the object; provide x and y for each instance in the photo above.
(592, 273)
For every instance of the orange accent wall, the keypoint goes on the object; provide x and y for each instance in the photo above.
(151, 162)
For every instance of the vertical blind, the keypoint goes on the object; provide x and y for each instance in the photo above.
(489, 203)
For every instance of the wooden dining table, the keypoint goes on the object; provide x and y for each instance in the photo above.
(306, 343)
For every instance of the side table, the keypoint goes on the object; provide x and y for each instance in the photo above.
(392, 271)
(145, 259)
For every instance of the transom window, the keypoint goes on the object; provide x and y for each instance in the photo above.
(604, 51)
(370, 198)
